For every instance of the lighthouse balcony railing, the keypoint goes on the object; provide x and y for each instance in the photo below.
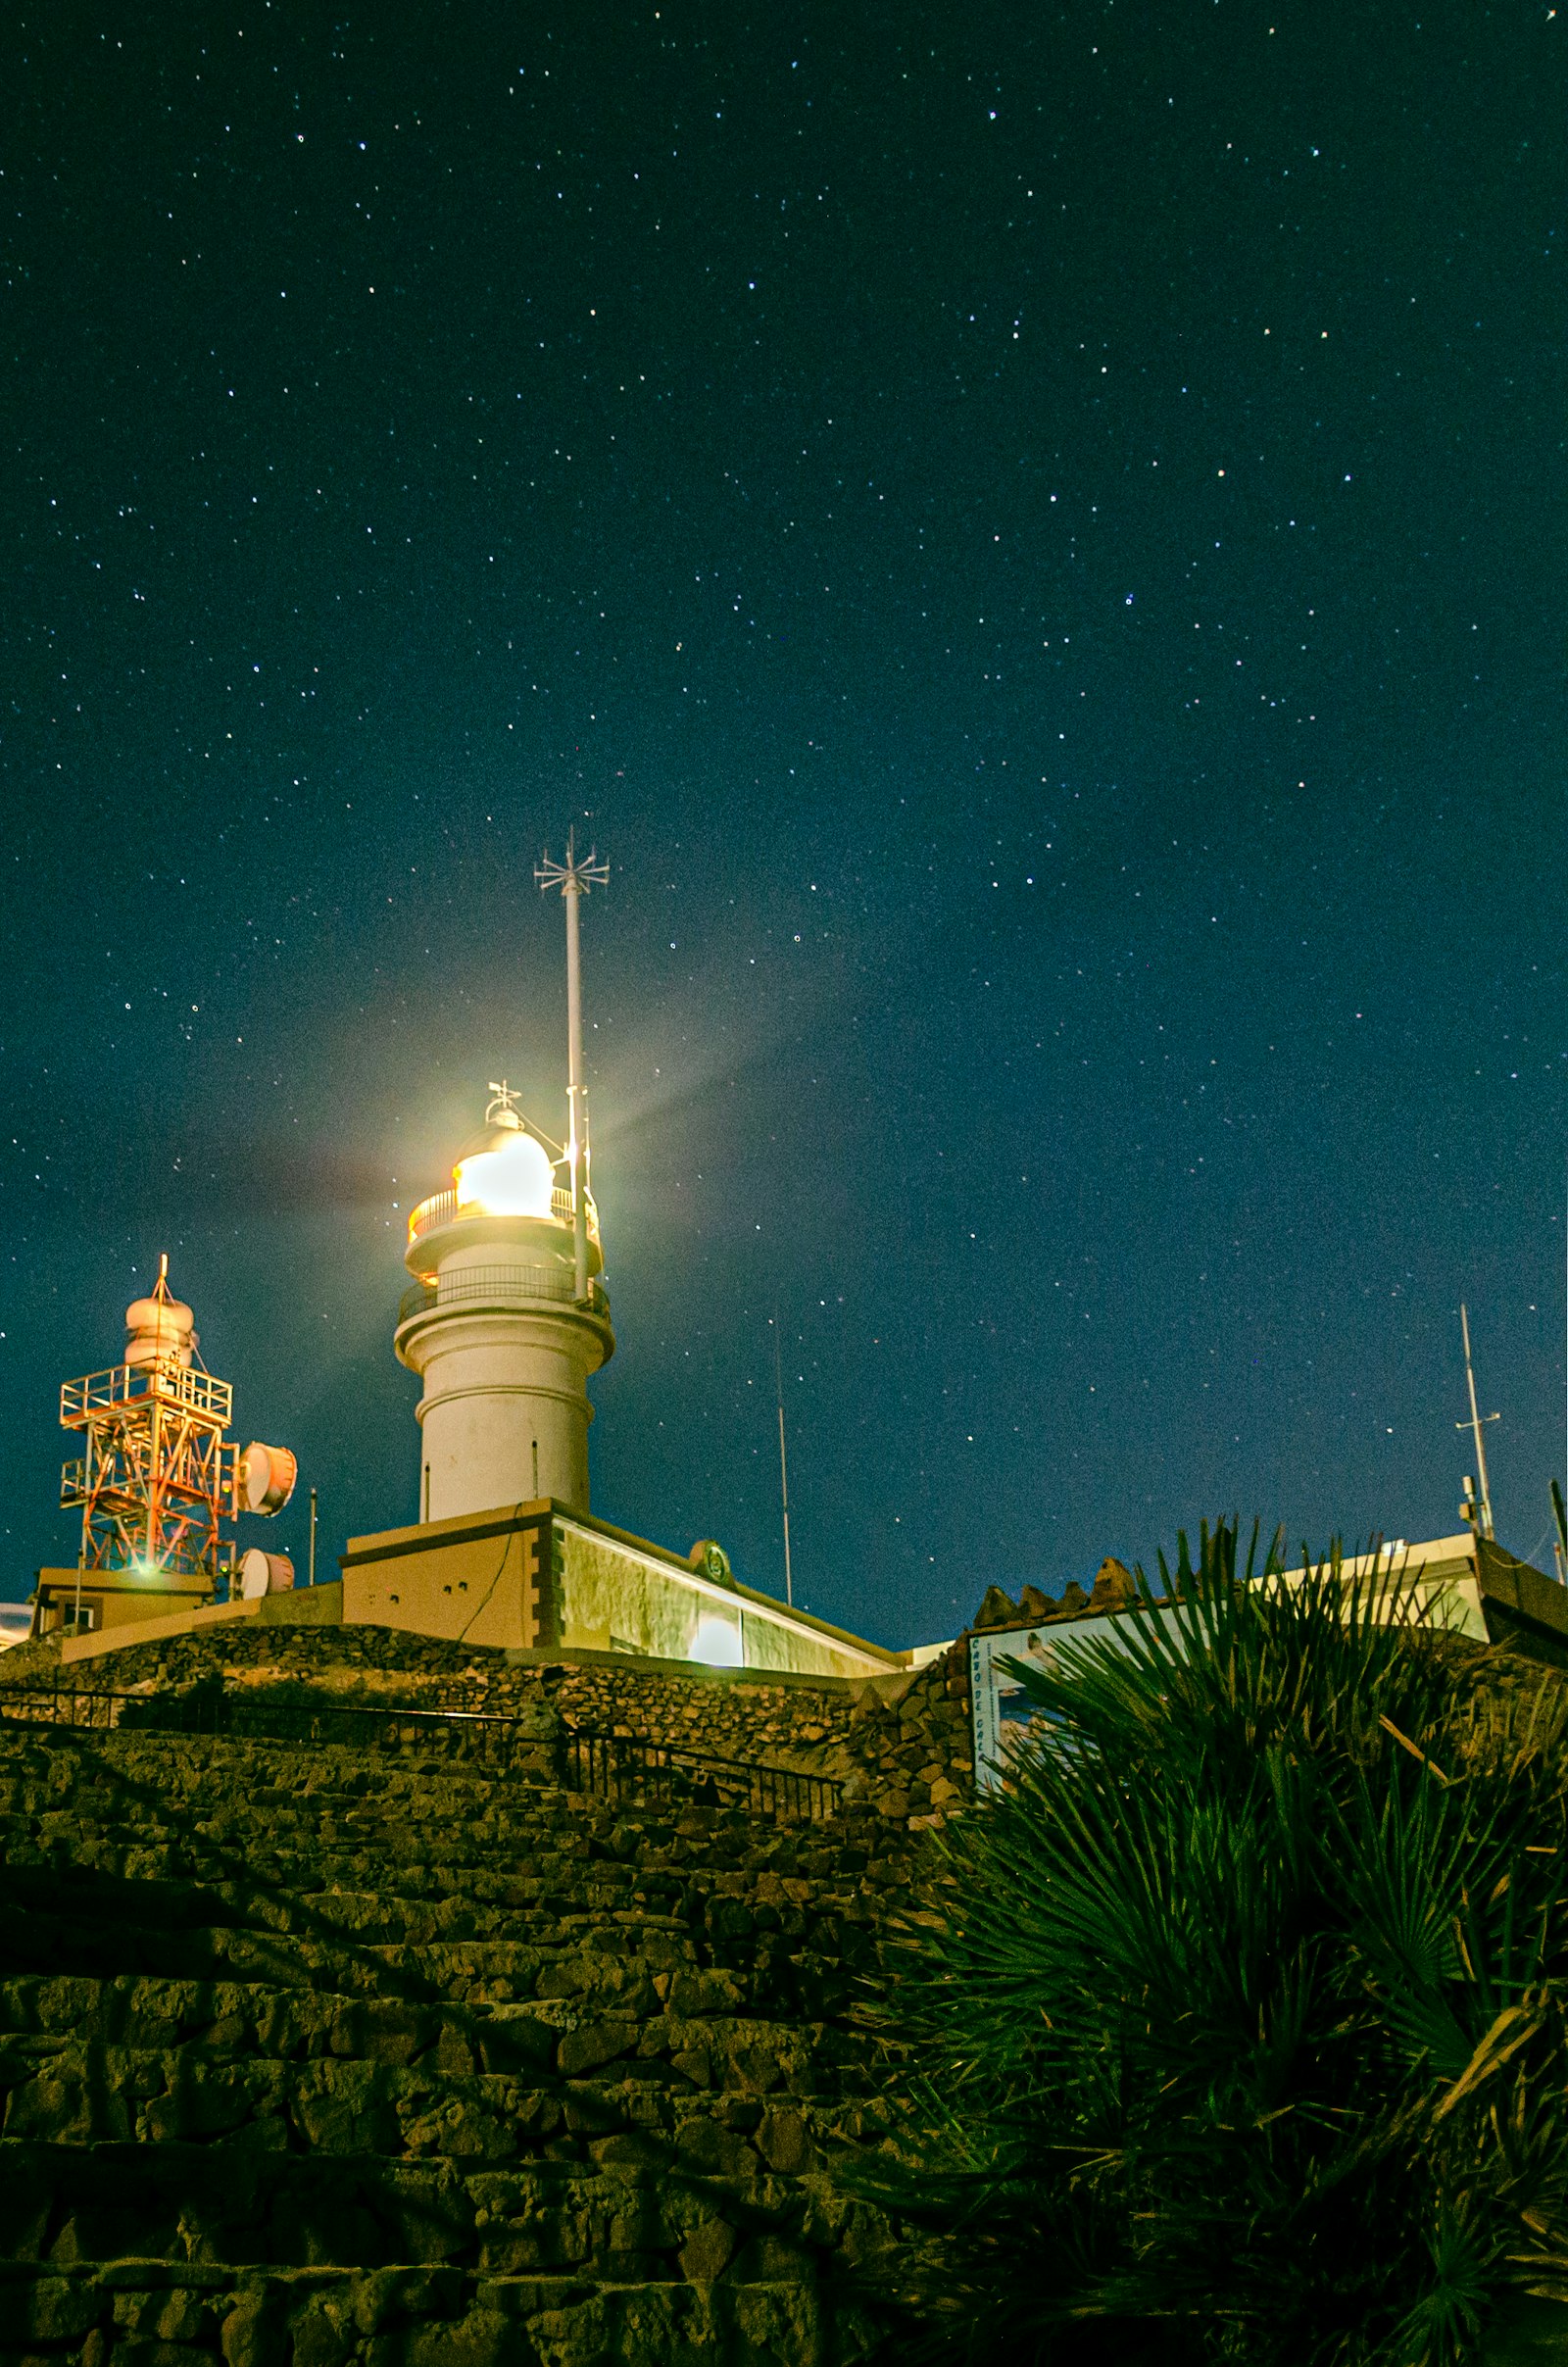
(445, 1207)
(122, 1387)
(508, 1286)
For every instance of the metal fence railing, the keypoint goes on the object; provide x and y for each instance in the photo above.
(608, 1766)
(614, 1765)
(59, 1705)
(208, 1710)
(512, 1286)
(125, 1385)
(445, 1207)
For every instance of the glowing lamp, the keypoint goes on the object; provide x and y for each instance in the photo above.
(515, 1179)
(717, 1643)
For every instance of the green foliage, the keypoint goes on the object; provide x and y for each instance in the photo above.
(1241, 2015)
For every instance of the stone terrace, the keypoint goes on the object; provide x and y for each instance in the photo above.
(900, 1744)
(313, 2056)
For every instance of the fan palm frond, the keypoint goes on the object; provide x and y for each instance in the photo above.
(1239, 2011)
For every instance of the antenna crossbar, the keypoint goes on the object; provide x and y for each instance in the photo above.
(577, 875)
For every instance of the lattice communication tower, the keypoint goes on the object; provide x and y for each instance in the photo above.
(158, 1477)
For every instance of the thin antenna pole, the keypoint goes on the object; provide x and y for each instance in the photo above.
(1484, 1525)
(575, 880)
(575, 1112)
(313, 1537)
(1559, 1512)
(783, 1461)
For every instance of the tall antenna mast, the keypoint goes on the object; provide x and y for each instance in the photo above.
(574, 878)
(1479, 1512)
(783, 1459)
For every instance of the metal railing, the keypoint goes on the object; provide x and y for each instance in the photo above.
(59, 1705)
(207, 1709)
(128, 1385)
(443, 1208)
(608, 1766)
(623, 1767)
(498, 1286)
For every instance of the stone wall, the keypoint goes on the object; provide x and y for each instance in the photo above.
(900, 1744)
(310, 2058)
(910, 1745)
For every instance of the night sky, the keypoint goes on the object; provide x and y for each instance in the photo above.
(1032, 539)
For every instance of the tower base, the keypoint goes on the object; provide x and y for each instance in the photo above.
(544, 1577)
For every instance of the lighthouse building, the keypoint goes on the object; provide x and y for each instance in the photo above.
(506, 1322)
(496, 1329)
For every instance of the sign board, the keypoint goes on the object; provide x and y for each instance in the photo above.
(1000, 1709)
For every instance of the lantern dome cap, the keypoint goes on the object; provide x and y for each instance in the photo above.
(504, 1170)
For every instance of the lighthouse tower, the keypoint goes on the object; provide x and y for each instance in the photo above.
(496, 1330)
(508, 1316)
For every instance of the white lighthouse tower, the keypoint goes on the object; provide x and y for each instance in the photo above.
(507, 1317)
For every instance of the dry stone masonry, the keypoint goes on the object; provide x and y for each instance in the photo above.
(900, 1743)
(327, 2057)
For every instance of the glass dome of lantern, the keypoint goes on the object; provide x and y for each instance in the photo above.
(507, 1171)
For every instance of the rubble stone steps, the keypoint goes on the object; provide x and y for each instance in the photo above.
(91, 1926)
(420, 1824)
(229, 2020)
(248, 2021)
(309, 2058)
(78, 2092)
(630, 2214)
(189, 2314)
(246, 1923)
(337, 1899)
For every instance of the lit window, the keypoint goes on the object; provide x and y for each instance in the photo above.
(716, 1643)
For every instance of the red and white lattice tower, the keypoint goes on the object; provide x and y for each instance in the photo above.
(157, 1478)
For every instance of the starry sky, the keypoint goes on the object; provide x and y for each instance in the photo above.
(1033, 538)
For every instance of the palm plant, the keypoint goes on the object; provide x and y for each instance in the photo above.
(1240, 2013)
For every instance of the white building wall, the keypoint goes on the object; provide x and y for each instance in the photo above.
(615, 1598)
(504, 1412)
